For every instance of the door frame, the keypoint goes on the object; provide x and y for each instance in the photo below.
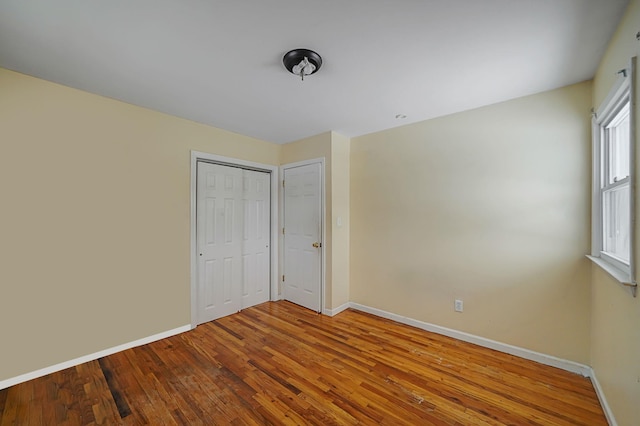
(274, 240)
(323, 227)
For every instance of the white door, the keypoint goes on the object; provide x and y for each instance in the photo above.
(232, 269)
(302, 232)
(256, 233)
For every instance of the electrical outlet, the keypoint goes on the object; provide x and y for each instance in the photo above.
(458, 305)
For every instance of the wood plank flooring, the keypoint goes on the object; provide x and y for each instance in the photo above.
(277, 363)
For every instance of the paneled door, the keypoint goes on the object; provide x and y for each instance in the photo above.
(302, 235)
(232, 231)
(256, 233)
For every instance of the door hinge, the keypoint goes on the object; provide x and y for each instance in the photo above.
(283, 278)
(282, 231)
(283, 183)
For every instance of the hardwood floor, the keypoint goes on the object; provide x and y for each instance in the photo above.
(277, 363)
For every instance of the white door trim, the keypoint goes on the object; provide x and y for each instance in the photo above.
(323, 226)
(274, 251)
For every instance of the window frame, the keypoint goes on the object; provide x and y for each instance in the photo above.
(607, 186)
(623, 92)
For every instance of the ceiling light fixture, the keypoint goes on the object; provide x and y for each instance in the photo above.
(302, 62)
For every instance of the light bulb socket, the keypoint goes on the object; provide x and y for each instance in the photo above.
(295, 56)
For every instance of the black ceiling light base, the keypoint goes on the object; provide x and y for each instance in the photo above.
(296, 56)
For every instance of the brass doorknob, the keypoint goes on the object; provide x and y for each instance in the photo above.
(316, 245)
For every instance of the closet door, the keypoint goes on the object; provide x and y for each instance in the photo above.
(233, 234)
(256, 233)
(219, 234)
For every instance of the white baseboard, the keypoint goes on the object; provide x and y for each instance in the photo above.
(335, 311)
(563, 364)
(603, 400)
(72, 363)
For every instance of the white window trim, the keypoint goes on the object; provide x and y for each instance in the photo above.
(623, 89)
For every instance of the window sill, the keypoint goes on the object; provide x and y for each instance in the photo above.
(623, 277)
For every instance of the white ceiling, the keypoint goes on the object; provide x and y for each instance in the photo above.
(219, 62)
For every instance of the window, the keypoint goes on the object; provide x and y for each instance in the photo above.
(613, 201)
(614, 188)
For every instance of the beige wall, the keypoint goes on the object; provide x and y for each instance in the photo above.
(340, 208)
(615, 332)
(490, 206)
(94, 229)
(334, 148)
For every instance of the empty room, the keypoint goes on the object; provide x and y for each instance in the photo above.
(340, 212)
